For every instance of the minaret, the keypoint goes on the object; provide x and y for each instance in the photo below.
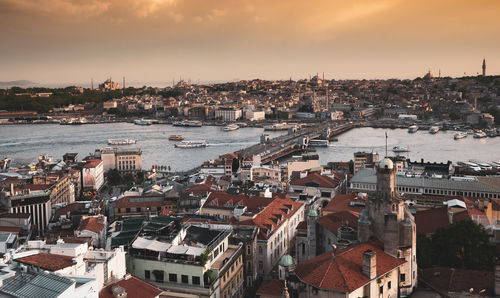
(91, 84)
(123, 82)
(484, 67)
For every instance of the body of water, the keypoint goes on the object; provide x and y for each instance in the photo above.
(23, 143)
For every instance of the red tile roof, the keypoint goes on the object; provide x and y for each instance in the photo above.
(93, 224)
(272, 287)
(134, 287)
(332, 222)
(126, 202)
(342, 202)
(10, 229)
(344, 271)
(68, 208)
(428, 221)
(447, 280)
(51, 262)
(322, 181)
(92, 163)
(223, 200)
(273, 216)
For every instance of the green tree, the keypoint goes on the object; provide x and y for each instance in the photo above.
(114, 177)
(351, 166)
(424, 251)
(464, 244)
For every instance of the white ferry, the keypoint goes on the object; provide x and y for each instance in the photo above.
(188, 123)
(412, 129)
(398, 149)
(192, 144)
(143, 122)
(434, 130)
(231, 127)
(121, 141)
(459, 135)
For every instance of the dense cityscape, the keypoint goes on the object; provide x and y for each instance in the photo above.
(270, 149)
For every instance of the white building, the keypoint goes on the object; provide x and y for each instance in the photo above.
(228, 114)
(255, 115)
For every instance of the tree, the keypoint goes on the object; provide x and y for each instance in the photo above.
(351, 166)
(464, 244)
(114, 177)
(424, 251)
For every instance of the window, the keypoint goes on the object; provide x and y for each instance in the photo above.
(248, 249)
(260, 250)
(325, 194)
(158, 275)
(147, 274)
(172, 277)
(388, 285)
(184, 279)
(128, 210)
(381, 290)
(195, 280)
(402, 277)
(138, 209)
(261, 265)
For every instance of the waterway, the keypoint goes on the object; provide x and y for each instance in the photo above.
(23, 143)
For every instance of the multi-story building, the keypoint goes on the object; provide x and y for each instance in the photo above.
(228, 114)
(93, 174)
(196, 260)
(142, 205)
(124, 160)
(365, 160)
(323, 186)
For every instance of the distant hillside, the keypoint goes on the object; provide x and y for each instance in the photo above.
(20, 83)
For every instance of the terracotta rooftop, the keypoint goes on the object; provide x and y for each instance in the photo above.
(428, 221)
(343, 272)
(128, 202)
(93, 224)
(315, 178)
(223, 200)
(334, 221)
(92, 163)
(272, 287)
(273, 216)
(134, 287)
(342, 202)
(446, 280)
(51, 262)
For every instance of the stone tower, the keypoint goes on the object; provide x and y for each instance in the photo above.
(387, 218)
(312, 216)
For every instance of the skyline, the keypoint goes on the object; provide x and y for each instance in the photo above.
(60, 42)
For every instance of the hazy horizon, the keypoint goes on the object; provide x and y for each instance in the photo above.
(69, 42)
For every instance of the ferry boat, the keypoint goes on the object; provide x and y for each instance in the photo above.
(412, 129)
(480, 135)
(188, 123)
(121, 141)
(459, 135)
(434, 130)
(399, 149)
(74, 121)
(231, 127)
(142, 122)
(176, 138)
(192, 144)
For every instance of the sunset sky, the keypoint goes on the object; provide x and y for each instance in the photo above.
(71, 41)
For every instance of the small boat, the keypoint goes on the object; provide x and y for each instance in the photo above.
(480, 135)
(143, 122)
(176, 138)
(459, 135)
(121, 141)
(231, 127)
(434, 130)
(399, 149)
(412, 129)
(192, 144)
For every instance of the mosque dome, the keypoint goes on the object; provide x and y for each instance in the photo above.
(386, 163)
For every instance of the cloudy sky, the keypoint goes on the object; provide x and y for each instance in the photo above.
(71, 41)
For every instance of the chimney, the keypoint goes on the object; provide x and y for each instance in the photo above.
(370, 264)
(118, 292)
